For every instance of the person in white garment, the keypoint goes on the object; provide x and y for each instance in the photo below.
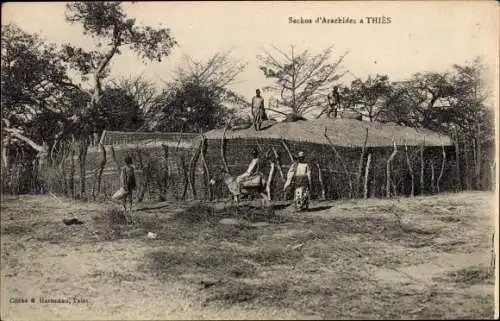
(299, 173)
(253, 167)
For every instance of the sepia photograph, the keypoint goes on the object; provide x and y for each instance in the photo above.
(210, 160)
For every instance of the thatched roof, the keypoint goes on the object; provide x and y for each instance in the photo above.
(342, 132)
(184, 140)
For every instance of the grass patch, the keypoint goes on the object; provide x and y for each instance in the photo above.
(449, 218)
(168, 264)
(261, 294)
(16, 229)
(470, 276)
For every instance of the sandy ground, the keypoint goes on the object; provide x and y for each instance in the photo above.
(427, 257)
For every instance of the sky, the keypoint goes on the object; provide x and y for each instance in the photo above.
(421, 36)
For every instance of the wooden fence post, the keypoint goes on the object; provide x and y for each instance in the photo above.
(223, 148)
(422, 165)
(410, 168)
(467, 169)
(322, 186)
(287, 150)
(72, 172)
(433, 188)
(457, 160)
(278, 164)
(478, 158)
(342, 162)
(360, 164)
(367, 170)
(101, 169)
(113, 155)
(82, 158)
(388, 169)
(192, 169)
(442, 168)
(269, 180)
(146, 174)
(166, 175)
(182, 166)
(205, 167)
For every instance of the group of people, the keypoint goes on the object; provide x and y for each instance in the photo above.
(299, 174)
(299, 171)
(259, 112)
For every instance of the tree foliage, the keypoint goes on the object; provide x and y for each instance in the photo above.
(118, 110)
(369, 97)
(33, 79)
(199, 97)
(106, 22)
(143, 91)
(36, 82)
(302, 80)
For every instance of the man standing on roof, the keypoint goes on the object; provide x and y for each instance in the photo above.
(333, 102)
(258, 110)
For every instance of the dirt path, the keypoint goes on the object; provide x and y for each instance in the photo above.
(106, 276)
(345, 259)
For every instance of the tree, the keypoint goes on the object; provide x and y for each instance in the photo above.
(198, 95)
(471, 119)
(369, 97)
(469, 106)
(143, 91)
(36, 73)
(118, 110)
(35, 88)
(106, 22)
(302, 80)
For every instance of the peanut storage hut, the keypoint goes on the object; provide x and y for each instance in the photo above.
(339, 162)
(352, 162)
